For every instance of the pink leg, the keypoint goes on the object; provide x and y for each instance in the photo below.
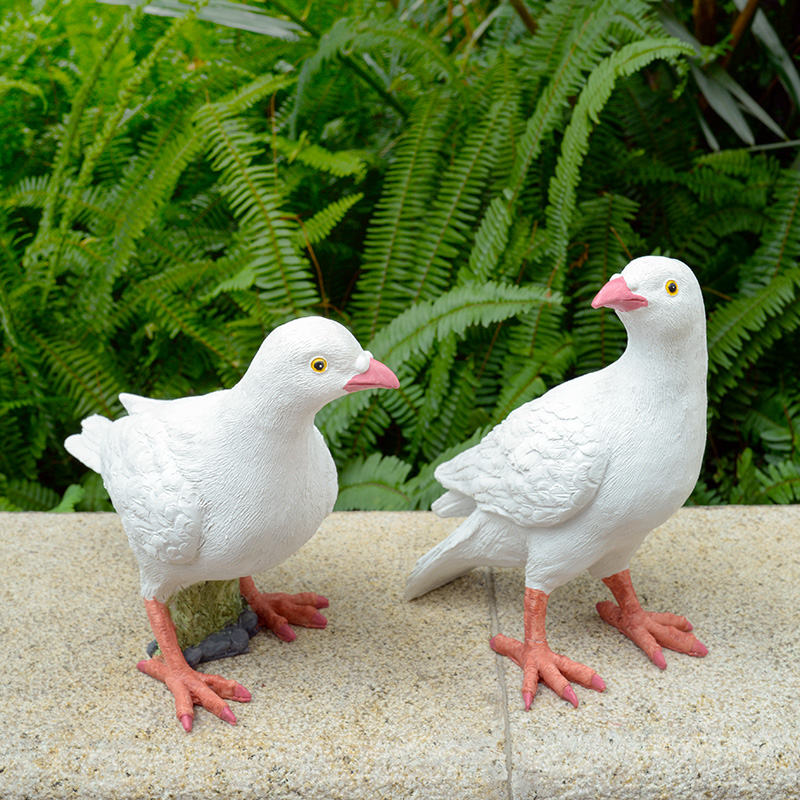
(646, 629)
(187, 685)
(538, 662)
(276, 610)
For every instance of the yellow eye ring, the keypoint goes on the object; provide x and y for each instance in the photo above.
(672, 288)
(319, 364)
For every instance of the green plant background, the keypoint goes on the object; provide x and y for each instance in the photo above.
(452, 180)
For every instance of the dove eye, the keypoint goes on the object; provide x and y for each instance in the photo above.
(319, 364)
(672, 288)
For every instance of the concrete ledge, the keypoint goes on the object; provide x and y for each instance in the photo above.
(395, 699)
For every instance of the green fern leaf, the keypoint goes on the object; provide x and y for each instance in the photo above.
(318, 227)
(490, 242)
(741, 330)
(780, 483)
(562, 190)
(455, 210)
(390, 248)
(250, 189)
(421, 326)
(373, 483)
(341, 164)
(29, 496)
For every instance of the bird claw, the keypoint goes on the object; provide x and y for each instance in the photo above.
(651, 631)
(190, 688)
(541, 665)
(278, 611)
(646, 629)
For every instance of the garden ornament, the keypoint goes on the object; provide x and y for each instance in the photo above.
(576, 479)
(223, 485)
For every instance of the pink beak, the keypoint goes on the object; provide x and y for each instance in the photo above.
(377, 376)
(616, 294)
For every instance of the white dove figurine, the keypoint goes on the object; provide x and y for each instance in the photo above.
(576, 479)
(223, 485)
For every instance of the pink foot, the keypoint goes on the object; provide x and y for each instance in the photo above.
(538, 662)
(278, 611)
(541, 665)
(190, 688)
(646, 629)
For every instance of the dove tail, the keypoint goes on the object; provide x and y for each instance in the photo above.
(86, 445)
(482, 540)
(459, 553)
(453, 504)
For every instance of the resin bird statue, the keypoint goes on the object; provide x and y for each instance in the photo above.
(575, 479)
(220, 486)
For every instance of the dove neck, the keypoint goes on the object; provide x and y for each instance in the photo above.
(683, 352)
(274, 409)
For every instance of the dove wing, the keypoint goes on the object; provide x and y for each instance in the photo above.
(159, 507)
(539, 467)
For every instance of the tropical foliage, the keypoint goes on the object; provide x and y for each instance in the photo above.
(453, 181)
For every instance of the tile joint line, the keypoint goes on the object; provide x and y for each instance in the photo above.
(494, 620)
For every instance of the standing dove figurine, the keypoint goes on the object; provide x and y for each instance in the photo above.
(576, 479)
(223, 485)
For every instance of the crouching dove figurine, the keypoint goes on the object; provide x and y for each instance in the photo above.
(576, 479)
(223, 485)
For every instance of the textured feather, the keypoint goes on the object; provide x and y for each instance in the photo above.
(218, 486)
(539, 467)
(575, 479)
(87, 444)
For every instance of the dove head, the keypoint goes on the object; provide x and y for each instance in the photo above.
(306, 363)
(658, 300)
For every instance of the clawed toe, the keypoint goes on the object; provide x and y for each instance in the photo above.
(538, 662)
(278, 611)
(191, 688)
(648, 630)
(541, 665)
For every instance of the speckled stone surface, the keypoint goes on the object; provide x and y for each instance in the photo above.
(406, 700)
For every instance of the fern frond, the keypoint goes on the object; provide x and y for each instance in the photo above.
(392, 238)
(422, 54)
(110, 129)
(524, 383)
(281, 273)
(453, 421)
(179, 316)
(741, 330)
(317, 228)
(775, 421)
(437, 385)
(22, 495)
(340, 164)
(780, 482)
(373, 483)
(490, 242)
(562, 190)
(66, 142)
(148, 184)
(571, 40)
(82, 373)
(457, 205)
(604, 228)
(419, 327)
(780, 241)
